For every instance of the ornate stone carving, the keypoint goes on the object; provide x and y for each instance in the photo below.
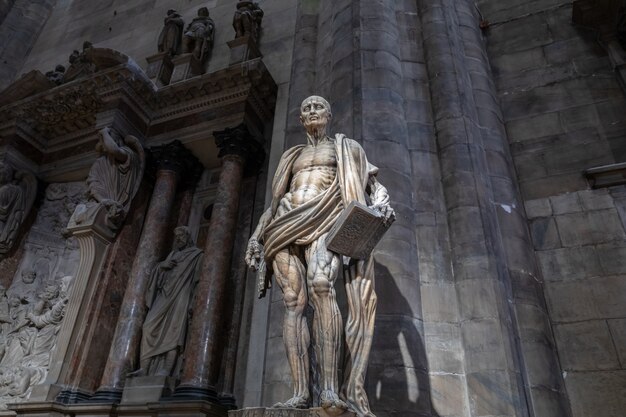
(247, 19)
(312, 186)
(168, 299)
(29, 334)
(17, 194)
(113, 181)
(171, 35)
(198, 37)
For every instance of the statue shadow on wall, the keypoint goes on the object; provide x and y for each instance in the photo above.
(398, 375)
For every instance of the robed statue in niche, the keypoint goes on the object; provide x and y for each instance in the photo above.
(17, 194)
(168, 299)
(312, 186)
(113, 180)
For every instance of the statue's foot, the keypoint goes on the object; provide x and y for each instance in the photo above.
(330, 399)
(295, 402)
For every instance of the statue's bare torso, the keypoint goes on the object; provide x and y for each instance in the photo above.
(313, 172)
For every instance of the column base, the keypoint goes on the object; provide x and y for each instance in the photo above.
(106, 396)
(291, 412)
(228, 401)
(72, 396)
(189, 393)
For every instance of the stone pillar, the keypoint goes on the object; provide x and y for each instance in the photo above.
(203, 350)
(171, 162)
(490, 342)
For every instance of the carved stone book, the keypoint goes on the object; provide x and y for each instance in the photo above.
(357, 231)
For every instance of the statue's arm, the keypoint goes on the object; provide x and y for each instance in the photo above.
(254, 252)
(110, 147)
(380, 199)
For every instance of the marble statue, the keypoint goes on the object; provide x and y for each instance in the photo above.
(56, 75)
(17, 194)
(171, 35)
(247, 19)
(113, 180)
(198, 37)
(312, 185)
(168, 300)
(80, 63)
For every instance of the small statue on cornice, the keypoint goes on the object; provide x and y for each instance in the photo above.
(113, 180)
(247, 19)
(80, 63)
(171, 35)
(56, 75)
(17, 194)
(198, 37)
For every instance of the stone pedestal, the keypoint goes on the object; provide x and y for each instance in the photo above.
(185, 66)
(243, 49)
(160, 68)
(146, 389)
(290, 412)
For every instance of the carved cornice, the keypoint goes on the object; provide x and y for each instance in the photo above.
(50, 123)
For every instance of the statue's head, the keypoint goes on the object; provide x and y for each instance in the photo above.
(28, 276)
(182, 238)
(171, 12)
(203, 12)
(6, 173)
(50, 292)
(87, 45)
(315, 113)
(59, 68)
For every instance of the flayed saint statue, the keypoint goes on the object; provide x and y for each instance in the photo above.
(312, 186)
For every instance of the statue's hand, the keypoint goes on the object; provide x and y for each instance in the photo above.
(168, 264)
(389, 215)
(254, 253)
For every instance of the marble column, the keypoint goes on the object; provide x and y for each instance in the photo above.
(203, 351)
(171, 162)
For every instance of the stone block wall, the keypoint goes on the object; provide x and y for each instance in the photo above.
(580, 242)
(563, 110)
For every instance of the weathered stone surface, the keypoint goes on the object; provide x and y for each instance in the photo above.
(538, 208)
(544, 234)
(586, 346)
(569, 263)
(617, 328)
(590, 227)
(597, 393)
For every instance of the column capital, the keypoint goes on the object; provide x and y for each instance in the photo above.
(240, 142)
(175, 157)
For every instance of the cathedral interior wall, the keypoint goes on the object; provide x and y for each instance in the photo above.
(412, 82)
(563, 107)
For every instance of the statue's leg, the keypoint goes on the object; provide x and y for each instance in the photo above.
(323, 266)
(290, 276)
(167, 363)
